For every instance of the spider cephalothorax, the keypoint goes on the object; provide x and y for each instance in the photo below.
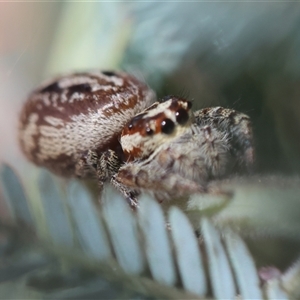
(184, 150)
(159, 124)
(106, 124)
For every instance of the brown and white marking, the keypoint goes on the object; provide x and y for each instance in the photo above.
(75, 113)
(106, 124)
(183, 156)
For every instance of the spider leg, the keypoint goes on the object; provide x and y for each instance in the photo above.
(238, 128)
(129, 193)
(182, 167)
(162, 185)
(108, 165)
(104, 167)
(87, 164)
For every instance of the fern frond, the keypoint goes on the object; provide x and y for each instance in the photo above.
(152, 252)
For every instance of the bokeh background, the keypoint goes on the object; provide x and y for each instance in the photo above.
(241, 55)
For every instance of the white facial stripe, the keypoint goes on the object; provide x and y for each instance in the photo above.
(129, 141)
(159, 109)
(147, 144)
(170, 115)
(162, 107)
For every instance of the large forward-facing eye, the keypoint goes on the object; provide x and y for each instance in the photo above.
(167, 126)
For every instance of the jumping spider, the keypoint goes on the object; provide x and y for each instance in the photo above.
(106, 124)
(171, 152)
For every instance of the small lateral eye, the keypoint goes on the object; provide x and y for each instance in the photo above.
(135, 120)
(189, 103)
(182, 116)
(167, 126)
(149, 131)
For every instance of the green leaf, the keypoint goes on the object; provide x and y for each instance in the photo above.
(57, 219)
(157, 245)
(14, 195)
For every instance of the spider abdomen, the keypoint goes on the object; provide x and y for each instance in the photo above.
(72, 114)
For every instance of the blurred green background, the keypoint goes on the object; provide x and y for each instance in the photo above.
(240, 55)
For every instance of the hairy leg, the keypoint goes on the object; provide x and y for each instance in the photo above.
(104, 167)
(238, 128)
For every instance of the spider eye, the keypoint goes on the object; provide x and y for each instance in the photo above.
(149, 131)
(135, 120)
(182, 116)
(167, 126)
